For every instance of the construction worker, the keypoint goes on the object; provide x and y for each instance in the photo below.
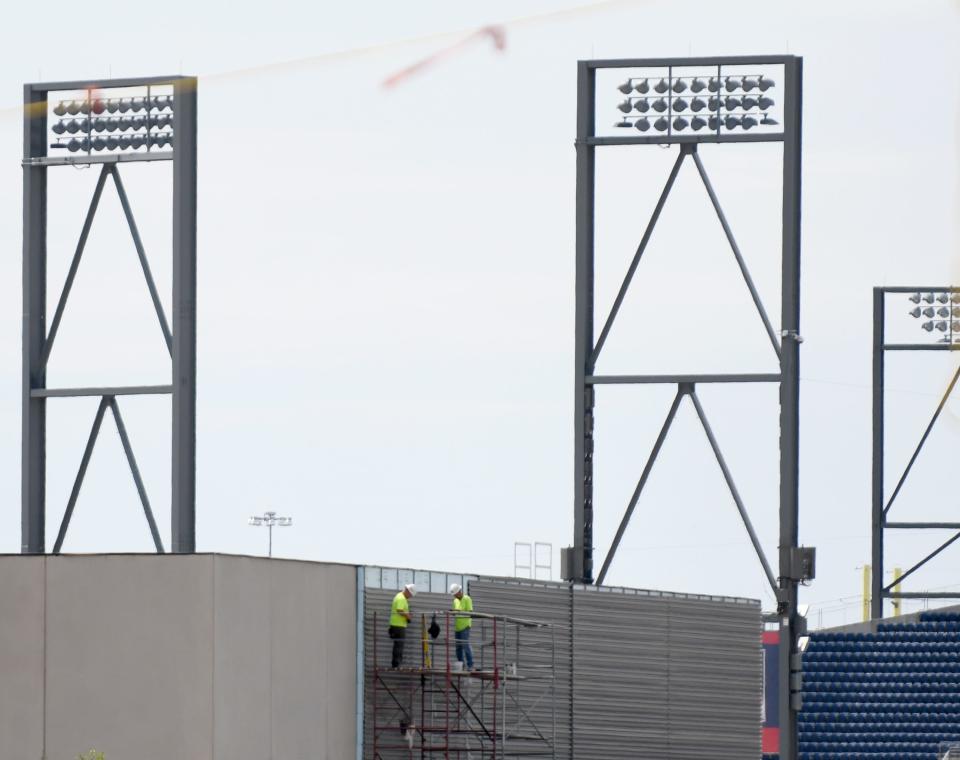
(461, 625)
(399, 617)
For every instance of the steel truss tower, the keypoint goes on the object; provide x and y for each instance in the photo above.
(685, 102)
(153, 127)
(943, 308)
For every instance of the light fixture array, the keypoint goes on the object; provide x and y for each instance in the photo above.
(677, 104)
(144, 122)
(942, 313)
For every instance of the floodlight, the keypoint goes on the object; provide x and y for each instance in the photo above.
(74, 145)
(955, 298)
(138, 141)
(768, 121)
(714, 85)
(928, 298)
(643, 87)
(680, 105)
(642, 105)
(714, 123)
(73, 108)
(98, 143)
(731, 122)
(623, 123)
(731, 104)
(942, 326)
(929, 312)
(270, 520)
(59, 127)
(943, 298)
(113, 106)
(748, 122)
(661, 124)
(626, 106)
(765, 84)
(749, 83)
(943, 311)
(731, 83)
(626, 87)
(764, 102)
(698, 123)
(748, 103)
(697, 104)
(643, 124)
(661, 86)
(915, 298)
(928, 326)
(98, 106)
(915, 312)
(714, 103)
(679, 86)
(955, 312)
(680, 123)
(698, 85)
(71, 125)
(137, 104)
(60, 109)
(659, 105)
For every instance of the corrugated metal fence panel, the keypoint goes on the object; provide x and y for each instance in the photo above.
(716, 674)
(621, 689)
(657, 676)
(548, 603)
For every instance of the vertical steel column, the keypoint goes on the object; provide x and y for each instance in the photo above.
(583, 393)
(183, 508)
(34, 410)
(877, 516)
(790, 401)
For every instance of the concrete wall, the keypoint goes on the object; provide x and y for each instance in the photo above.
(159, 657)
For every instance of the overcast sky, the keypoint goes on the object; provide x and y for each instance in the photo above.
(386, 285)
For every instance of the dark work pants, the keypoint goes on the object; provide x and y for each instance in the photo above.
(398, 635)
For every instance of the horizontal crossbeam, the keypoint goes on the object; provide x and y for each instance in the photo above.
(666, 379)
(124, 390)
(665, 139)
(83, 159)
(923, 525)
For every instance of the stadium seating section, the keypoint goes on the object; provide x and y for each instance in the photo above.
(889, 695)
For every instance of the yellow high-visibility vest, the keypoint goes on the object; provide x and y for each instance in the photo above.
(464, 604)
(400, 604)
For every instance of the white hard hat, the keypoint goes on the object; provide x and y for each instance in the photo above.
(411, 588)
(455, 588)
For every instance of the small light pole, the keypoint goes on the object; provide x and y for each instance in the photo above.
(270, 519)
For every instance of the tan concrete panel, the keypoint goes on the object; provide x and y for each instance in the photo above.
(130, 656)
(241, 658)
(21, 658)
(314, 661)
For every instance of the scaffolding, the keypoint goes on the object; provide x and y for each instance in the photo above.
(504, 708)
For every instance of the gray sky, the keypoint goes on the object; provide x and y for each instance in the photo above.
(386, 285)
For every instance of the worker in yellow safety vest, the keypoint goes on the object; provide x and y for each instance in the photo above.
(399, 617)
(462, 624)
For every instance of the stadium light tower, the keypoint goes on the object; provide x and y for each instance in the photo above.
(684, 103)
(270, 519)
(109, 123)
(939, 310)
